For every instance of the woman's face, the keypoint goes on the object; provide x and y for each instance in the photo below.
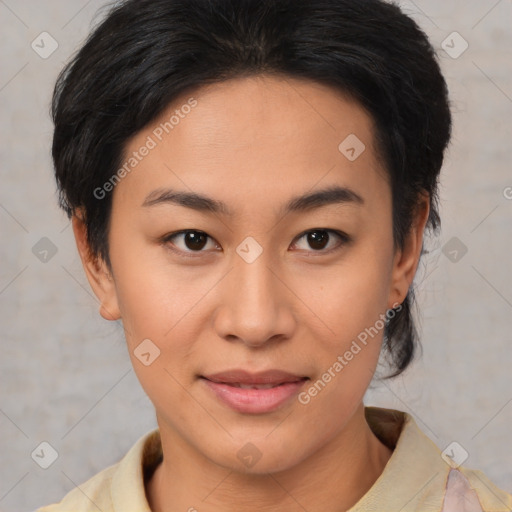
(249, 167)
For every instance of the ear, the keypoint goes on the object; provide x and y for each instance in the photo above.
(98, 274)
(407, 258)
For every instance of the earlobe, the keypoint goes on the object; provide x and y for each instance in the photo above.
(407, 258)
(97, 272)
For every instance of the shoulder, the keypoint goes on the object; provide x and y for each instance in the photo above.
(470, 490)
(420, 478)
(94, 494)
(118, 488)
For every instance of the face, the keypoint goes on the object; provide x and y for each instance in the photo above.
(253, 235)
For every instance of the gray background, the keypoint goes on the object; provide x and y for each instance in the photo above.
(65, 375)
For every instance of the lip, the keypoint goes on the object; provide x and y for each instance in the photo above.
(225, 386)
(239, 376)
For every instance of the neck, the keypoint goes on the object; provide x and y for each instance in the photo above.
(334, 478)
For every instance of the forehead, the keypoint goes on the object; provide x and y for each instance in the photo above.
(249, 135)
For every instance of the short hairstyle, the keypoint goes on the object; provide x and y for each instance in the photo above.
(147, 52)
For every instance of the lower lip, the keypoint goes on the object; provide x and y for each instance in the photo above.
(254, 401)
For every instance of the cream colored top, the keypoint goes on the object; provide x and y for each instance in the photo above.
(416, 478)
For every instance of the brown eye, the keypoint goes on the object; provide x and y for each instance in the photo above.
(322, 240)
(195, 240)
(190, 241)
(318, 239)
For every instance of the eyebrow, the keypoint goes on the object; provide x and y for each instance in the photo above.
(304, 202)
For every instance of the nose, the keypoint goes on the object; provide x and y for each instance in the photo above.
(255, 305)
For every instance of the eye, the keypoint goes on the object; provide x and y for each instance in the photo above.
(189, 241)
(319, 239)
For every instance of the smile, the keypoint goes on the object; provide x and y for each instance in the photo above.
(259, 393)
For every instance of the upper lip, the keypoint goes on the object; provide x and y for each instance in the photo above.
(239, 376)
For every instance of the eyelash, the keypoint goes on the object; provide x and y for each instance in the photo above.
(343, 237)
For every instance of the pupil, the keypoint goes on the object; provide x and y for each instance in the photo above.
(318, 239)
(195, 240)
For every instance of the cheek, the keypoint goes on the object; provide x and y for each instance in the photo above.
(154, 296)
(350, 296)
(351, 301)
(352, 304)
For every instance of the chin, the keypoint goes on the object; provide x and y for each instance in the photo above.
(259, 457)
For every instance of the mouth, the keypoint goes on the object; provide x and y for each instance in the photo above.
(252, 386)
(254, 393)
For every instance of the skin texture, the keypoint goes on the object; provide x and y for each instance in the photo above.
(294, 308)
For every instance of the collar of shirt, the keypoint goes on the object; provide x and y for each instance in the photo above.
(415, 477)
